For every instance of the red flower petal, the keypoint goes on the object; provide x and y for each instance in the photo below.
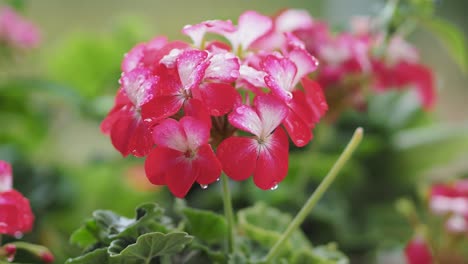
(299, 131)
(16, 216)
(191, 65)
(281, 73)
(224, 67)
(181, 175)
(206, 165)
(170, 134)
(197, 132)
(245, 117)
(198, 31)
(196, 109)
(271, 111)
(133, 58)
(219, 98)
(251, 26)
(304, 62)
(157, 162)
(315, 98)
(161, 107)
(272, 162)
(138, 85)
(130, 135)
(238, 156)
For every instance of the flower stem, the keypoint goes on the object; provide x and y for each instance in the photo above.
(228, 213)
(317, 194)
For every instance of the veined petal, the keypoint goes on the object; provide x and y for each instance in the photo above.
(206, 165)
(197, 132)
(238, 157)
(139, 85)
(170, 134)
(251, 26)
(281, 73)
(219, 98)
(304, 62)
(271, 111)
(191, 65)
(272, 162)
(224, 67)
(6, 178)
(244, 117)
(298, 129)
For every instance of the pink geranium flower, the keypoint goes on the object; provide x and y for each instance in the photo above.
(265, 156)
(16, 216)
(191, 100)
(17, 32)
(182, 156)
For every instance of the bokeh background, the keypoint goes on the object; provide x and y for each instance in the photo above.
(58, 94)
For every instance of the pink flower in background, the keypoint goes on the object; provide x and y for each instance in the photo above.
(451, 200)
(16, 216)
(17, 32)
(417, 251)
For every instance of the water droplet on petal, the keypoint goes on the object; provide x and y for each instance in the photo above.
(234, 74)
(18, 235)
(204, 186)
(289, 95)
(240, 110)
(218, 179)
(300, 142)
(274, 187)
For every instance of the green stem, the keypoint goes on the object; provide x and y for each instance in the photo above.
(317, 194)
(228, 213)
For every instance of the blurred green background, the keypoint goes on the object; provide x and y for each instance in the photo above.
(52, 102)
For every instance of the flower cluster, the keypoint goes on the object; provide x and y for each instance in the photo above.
(355, 62)
(15, 31)
(198, 109)
(451, 201)
(16, 216)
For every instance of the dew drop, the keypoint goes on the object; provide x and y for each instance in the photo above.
(18, 235)
(217, 179)
(300, 142)
(289, 95)
(234, 74)
(204, 186)
(274, 187)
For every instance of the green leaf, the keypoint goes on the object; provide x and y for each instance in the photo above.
(98, 256)
(152, 245)
(206, 225)
(452, 38)
(86, 235)
(265, 225)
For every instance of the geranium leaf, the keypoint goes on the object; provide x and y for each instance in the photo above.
(98, 256)
(152, 245)
(265, 225)
(206, 225)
